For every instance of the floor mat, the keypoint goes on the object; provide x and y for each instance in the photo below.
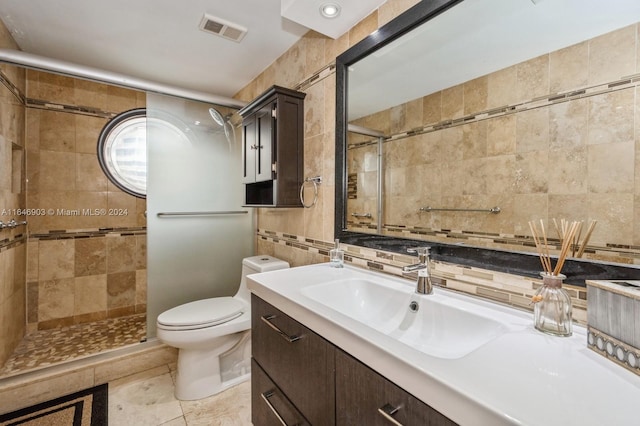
(84, 408)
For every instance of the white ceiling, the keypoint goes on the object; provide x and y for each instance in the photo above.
(160, 40)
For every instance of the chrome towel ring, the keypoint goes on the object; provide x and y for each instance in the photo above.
(316, 180)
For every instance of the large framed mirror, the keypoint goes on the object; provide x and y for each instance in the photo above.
(461, 121)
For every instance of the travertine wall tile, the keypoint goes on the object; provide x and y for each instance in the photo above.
(533, 78)
(611, 167)
(65, 180)
(90, 294)
(476, 95)
(612, 55)
(611, 117)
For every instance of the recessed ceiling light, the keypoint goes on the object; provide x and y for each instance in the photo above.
(330, 10)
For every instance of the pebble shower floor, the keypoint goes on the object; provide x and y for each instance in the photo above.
(48, 347)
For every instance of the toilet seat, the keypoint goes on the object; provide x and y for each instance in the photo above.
(201, 314)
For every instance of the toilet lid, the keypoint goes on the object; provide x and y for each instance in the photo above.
(202, 313)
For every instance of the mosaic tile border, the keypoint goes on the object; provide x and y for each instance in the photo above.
(13, 242)
(65, 234)
(316, 77)
(500, 287)
(52, 106)
(4, 79)
(626, 82)
(619, 253)
(614, 350)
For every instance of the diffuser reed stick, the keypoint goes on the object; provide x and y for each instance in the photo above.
(567, 233)
(583, 245)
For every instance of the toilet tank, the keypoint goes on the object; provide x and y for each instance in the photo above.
(254, 265)
(263, 264)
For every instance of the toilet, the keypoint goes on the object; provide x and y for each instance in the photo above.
(213, 336)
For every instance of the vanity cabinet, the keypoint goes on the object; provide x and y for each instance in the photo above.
(300, 364)
(301, 378)
(364, 397)
(269, 405)
(273, 148)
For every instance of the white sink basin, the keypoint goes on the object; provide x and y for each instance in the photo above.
(443, 326)
(447, 352)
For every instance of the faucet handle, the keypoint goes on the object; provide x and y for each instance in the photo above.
(419, 250)
(423, 252)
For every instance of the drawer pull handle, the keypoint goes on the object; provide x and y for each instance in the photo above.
(267, 319)
(387, 411)
(265, 397)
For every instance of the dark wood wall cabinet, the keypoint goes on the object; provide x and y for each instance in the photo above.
(273, 148)
(299, 378)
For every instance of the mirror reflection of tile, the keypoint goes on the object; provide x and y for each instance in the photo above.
(551, 137)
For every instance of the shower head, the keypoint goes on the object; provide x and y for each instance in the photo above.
(217, 117)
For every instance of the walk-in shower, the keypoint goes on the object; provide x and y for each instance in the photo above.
(85, 293)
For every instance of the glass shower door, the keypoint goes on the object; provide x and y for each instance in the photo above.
(197, 231)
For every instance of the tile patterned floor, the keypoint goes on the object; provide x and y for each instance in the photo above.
(146, 399)
(48, 347)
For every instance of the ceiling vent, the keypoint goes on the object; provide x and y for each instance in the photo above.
(226, 29)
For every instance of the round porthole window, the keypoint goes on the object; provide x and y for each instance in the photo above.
(122, 151)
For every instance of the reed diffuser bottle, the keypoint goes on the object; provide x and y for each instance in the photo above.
(552, 306)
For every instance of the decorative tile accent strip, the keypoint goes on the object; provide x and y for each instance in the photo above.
(622, 354)
(95, 112)
(352, 186)
(12, 242)
(543, 101)
(12, 87)
(627, 254)
(64, 234)
(317, 76)
(510, 289)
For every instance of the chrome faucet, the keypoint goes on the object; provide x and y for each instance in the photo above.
(424, 284)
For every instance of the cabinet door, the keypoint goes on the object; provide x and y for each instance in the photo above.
(249, 144)
(300, 362)
(269, 406)
(362, 395)
(265, 143)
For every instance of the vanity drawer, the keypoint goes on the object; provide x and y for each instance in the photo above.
(300, 362)
(269, 406)
(362, 395)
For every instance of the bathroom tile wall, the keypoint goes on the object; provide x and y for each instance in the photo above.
(499, 287)
(13, 242)
(314, 55)
(302, 236)
(560, 144)
(81, 268)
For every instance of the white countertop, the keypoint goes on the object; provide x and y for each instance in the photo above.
(523, 377)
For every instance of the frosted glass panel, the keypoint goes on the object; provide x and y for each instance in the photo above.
(192, 168)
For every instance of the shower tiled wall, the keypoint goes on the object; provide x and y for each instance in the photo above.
(80, 268)
(12, 201)
(559, 143)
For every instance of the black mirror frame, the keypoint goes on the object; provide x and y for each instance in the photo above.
(520, 263)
